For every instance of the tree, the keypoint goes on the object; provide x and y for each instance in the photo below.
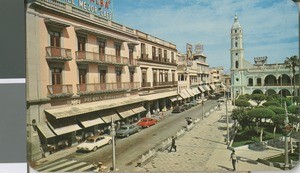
(245, 97)
(258, 114)
(292, 62)
(293, 109)
(242, 116)
(258, 98)
(278, 118)
(242, 103)
(271, 103)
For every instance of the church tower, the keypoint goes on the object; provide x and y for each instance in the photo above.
(237, 50)
(237, 58)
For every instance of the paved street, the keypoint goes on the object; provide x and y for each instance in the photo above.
(204, 149)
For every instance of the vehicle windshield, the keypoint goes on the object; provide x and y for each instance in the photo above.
(144, 120)
(123, 128)
(89, 141)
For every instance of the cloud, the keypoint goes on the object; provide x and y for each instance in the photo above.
(270, 27)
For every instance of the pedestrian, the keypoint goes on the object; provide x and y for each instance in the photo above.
(233, 158)
(173, 145)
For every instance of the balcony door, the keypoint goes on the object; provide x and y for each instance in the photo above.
(118, 79)
(81, 47)
(103, 79)
(118, 53)
(82, 79)
(101, 50)
(131, 55)
(55, 43)
(56, 80)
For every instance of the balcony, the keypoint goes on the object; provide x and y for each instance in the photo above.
(58, 54)
(145, 58)
(132, 62)
(94, 88)
(163, 84)
(59, 91)
(92, 57)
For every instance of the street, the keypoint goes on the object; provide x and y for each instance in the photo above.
(128, 150)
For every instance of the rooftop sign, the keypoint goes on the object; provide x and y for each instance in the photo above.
(101, 8)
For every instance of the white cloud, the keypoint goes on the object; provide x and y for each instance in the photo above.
(270, 28)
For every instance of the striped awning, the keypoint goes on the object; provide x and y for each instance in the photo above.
(125, 112)
(174, 99)
(65, 129)
(91, 120)
(190, 92)
(106, 115)
(184, 94)
(206, 87)
(201, 88)
(213, 87)
(196, 91)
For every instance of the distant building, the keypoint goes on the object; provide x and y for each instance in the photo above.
(260, 77)
(217, 78)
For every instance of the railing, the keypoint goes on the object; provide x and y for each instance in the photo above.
(146, 84)
(58, 52)
(105, 58)
(144, 57)
(132, 62)
(105, 87)
(163, 83)
(60, 89)
(56, 3)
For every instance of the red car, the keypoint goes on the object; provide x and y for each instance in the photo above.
(147, 122)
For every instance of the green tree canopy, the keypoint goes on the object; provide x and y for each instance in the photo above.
(271, 103)
(245, 97)
(242, 116)
(259, 113)
(278, 119)
(242, 103)
(277, 110)
(294, 109)
(258, 98)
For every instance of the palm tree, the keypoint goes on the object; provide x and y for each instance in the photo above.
(292, 62)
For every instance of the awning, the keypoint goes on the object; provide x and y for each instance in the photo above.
(125, 111)
(206, 87)
(108, 114)
(195, 91)
(201, 88)
(84, 108)
(45, 130)
(159, 95)
(183, 94)
(65, 129)
(139, 109)
(190, 92)
(213, 87)
(223, 86)
(102, 33)
(90, 120)
(187, 93)
(174, 99)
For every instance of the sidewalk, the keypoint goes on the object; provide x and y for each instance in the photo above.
(204, 149)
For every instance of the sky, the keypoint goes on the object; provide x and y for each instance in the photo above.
(270, 27)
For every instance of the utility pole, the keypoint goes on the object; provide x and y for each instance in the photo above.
(286, 124)
(202, 109)
(113, 133)
(227, 121)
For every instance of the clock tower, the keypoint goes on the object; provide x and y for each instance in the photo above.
(237, 50)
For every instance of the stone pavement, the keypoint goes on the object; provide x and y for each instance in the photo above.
(203, 149)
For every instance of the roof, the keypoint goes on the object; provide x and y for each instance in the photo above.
(236, 23)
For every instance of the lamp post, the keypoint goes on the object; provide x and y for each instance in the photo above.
(113, 133)
(202, 109)
(286, 124)
(227, 121)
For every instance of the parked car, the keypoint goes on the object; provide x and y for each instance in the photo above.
(193, 103)
(187, 106)
(178, 109)
(127, 130)
(147, 122)
(221, 99)
(199, 101)
(94, 142)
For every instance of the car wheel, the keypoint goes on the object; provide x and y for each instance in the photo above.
(95, 148)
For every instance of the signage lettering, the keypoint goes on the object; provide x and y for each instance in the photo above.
(96, 98)
(100, 8)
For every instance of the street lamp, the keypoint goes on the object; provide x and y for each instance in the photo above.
(227, 121)
(113, 133)
(286, 124)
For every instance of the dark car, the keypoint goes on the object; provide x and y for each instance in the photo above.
(187, 106)
(127, 130)
(193, 103)
(178, 109)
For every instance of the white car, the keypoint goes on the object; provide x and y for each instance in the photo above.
(94, 142)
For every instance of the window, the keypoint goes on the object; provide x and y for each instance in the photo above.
(166, 77)
(235, 31)
(54, 38)
(159, 53)
(236, 54)
(56, 76)
(131, 55)
(236, 64)
(258, 82)
(250, 82)
(172, 56)
(143, 48)
(101, 47)
(236, 44)
(165, 54)
(103, 76)
(144, 76)
(153, 53)
(81, 43)
(82, 76)
(173, 76)
(131, 73)
(118, 50)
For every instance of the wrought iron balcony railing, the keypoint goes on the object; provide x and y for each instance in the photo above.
(60, 90)
(58, 54)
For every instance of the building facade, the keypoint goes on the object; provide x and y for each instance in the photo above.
(83, 70)
(259, 77)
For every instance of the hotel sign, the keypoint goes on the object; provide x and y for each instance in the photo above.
(100, 8)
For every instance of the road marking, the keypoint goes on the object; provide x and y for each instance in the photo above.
(50, 165)
(60, 166)
(72, 167)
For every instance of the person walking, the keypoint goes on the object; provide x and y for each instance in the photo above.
(173, 145)
(233, 159)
